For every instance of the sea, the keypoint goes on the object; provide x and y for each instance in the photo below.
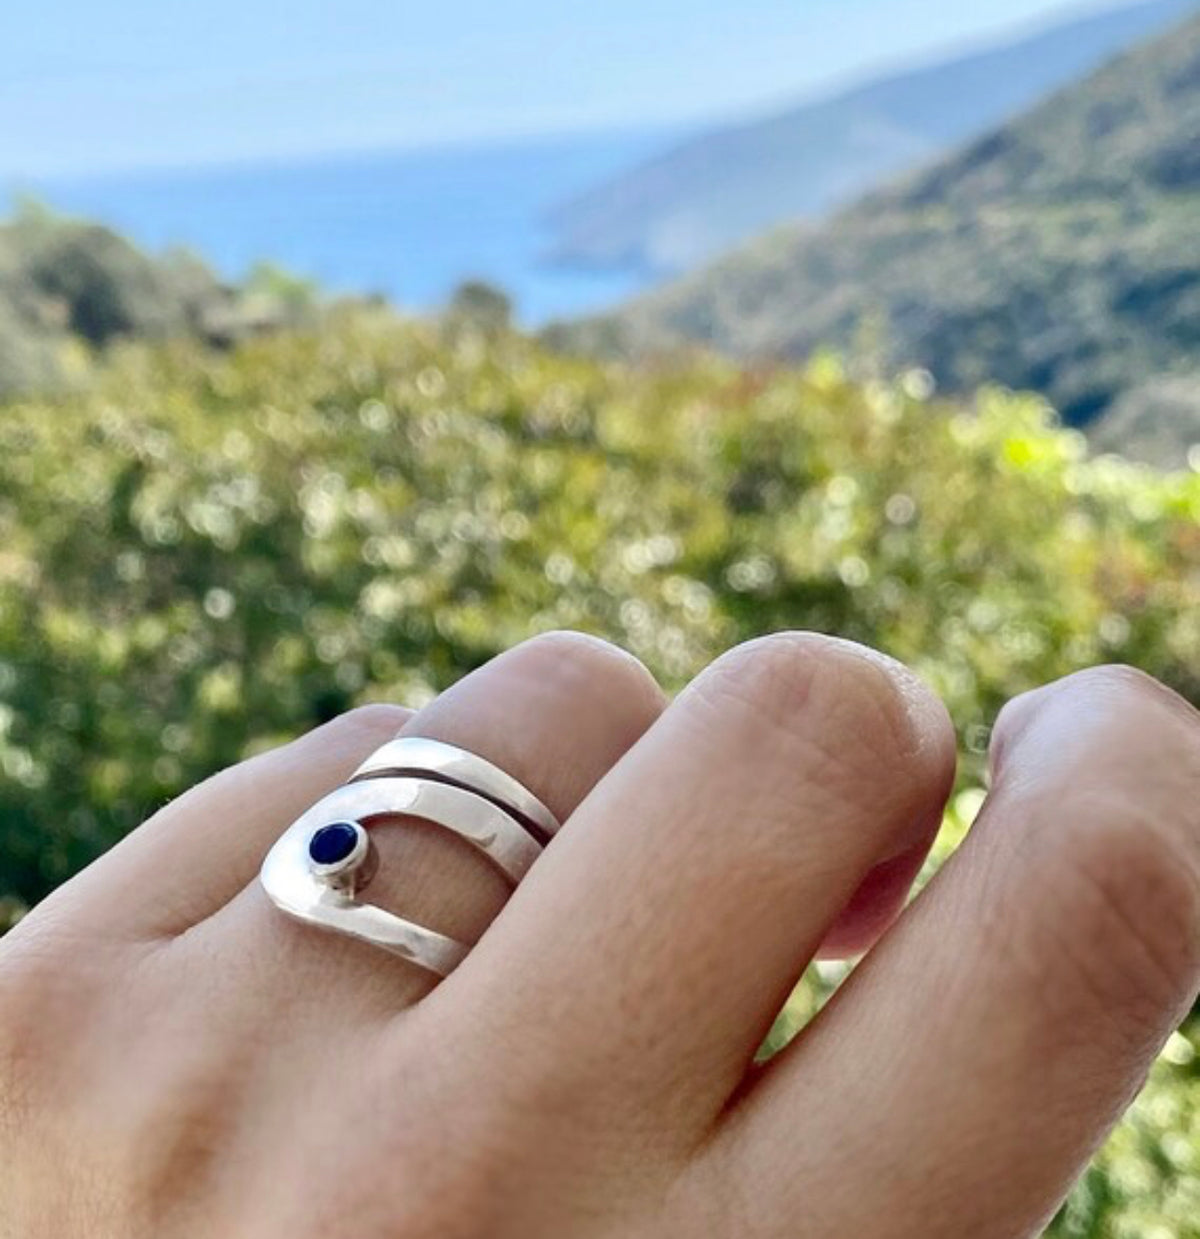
(410, 225)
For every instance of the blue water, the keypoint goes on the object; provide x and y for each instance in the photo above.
(410, 225)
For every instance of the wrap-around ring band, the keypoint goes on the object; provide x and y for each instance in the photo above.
(315, 869)
(433, 758)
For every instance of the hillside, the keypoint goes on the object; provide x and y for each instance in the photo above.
(722, 187)
(1060, 253)
(71, 287)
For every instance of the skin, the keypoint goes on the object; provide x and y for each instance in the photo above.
(177, 1058)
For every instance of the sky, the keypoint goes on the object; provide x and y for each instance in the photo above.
(88, 87)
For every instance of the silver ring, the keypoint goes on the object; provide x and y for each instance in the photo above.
(417, 755)
(317, 867)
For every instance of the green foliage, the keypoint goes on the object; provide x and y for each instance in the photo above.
(478, 304)
(266, 280)
(206, 553)
(1056, 254)
(69, 288)
(105, 286)
(66, 284)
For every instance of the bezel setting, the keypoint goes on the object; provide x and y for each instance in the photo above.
(344, 865)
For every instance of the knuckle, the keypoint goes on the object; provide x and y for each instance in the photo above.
(1109, 725)
(1119, 695)
(1131, 685)
(1105, 777)
(373, 722)
(822, 691)
(1128, 913)
(575, 658)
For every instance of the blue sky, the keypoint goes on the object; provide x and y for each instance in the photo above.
(140, 83)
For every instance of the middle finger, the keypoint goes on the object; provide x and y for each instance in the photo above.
(684, 899)
(555, 713)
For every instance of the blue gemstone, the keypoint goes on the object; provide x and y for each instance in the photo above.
(333, 843)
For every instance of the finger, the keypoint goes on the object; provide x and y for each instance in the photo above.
(876, 903)
(644, 959)
(969, 1067)
(555, 713)
(195, 854)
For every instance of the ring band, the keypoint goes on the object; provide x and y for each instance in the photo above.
(435, 759)
(315, 868)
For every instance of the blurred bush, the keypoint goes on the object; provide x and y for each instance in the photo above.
(69, 288)
(475, 303)
(205, 553)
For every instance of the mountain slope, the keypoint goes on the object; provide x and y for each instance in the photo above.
(723, 187)
(70, 287)
(1059, 253)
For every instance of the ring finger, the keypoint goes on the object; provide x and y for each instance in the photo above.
(555, 713)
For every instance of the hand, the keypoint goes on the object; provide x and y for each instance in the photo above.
(178, 1058)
